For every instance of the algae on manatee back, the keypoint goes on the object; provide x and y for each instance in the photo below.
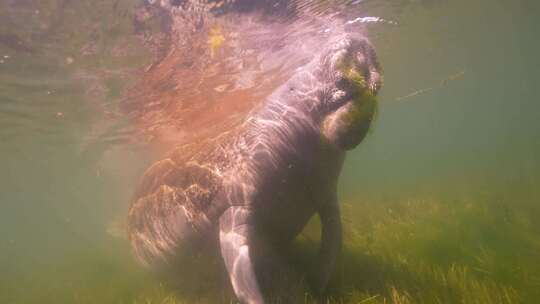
(215, 39)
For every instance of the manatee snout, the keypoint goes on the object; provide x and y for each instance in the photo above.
(354, 74)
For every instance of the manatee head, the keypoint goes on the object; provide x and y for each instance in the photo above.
(351, 77)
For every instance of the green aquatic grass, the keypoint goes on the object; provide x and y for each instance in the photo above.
(417, 250)
(436, 251)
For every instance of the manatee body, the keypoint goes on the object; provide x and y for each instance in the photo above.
(266, 177)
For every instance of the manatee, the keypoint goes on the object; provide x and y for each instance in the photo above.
(265, 177)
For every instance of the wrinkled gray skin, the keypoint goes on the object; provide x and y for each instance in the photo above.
(266, 178)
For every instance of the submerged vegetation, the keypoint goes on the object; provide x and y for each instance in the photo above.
(427, 251)
(477, 249)
(436, 250)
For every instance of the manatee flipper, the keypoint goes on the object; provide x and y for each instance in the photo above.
(330, 242)
(235, 250)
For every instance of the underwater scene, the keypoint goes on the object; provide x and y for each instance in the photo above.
(188, 151)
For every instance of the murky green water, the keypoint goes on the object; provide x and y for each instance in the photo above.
(440, 202)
